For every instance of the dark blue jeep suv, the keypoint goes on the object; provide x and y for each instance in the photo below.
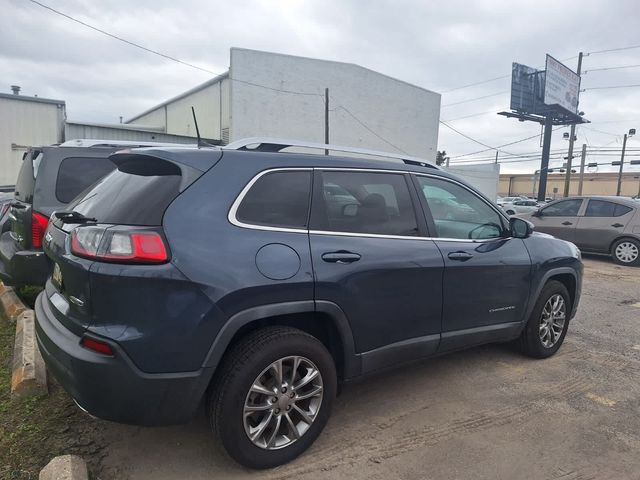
(258, 280)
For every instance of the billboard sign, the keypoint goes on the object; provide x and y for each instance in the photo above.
(562, 86)
(527, 89)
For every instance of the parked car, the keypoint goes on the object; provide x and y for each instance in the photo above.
(50, 177)
(229, 275)
(502, 200)
(520, 206)
(605, 225)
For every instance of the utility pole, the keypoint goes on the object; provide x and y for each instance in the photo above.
(544, 166)
(582, 161)
(326, 119)
(624, 146)
(496, 156)
(567, 178)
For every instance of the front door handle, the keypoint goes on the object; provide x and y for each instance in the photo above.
(567, 223)
(617, 225)
(460, 256)
(341, 256)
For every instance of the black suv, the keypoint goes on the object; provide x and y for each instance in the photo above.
(258, 280)
(50, 177)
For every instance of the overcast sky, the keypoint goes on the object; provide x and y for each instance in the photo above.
(436, 45)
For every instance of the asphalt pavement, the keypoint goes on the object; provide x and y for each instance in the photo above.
(486, 413)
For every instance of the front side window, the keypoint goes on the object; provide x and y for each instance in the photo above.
(563, 208)
(278, 199)
(364, 202)
(77, 173)
(459, 213)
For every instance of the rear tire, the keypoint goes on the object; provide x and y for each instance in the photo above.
(547, 326)
(626, 251)
(265, 372)
(510, 212)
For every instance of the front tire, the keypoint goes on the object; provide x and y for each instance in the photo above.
(547, 326)
(273, 396)
(626, 251)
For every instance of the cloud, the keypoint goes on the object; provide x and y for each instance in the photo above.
(437, 45)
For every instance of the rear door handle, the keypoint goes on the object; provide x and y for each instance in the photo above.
(617, 225)
(567, 223)
(340, 257)
(460, 256)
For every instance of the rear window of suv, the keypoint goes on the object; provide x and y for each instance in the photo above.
(78, 173)
(137, 193)
(26, 180)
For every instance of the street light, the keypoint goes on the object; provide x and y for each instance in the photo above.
(632, 132)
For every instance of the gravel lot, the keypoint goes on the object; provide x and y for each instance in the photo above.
(486, 413)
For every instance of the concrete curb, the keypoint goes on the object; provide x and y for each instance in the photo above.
(29, 375)
(10, 305)
(65, 467)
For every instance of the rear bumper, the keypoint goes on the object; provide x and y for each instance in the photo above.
(22, 267)
(113, 388)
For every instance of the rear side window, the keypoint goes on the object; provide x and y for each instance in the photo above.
(136, 193)
(621, 210)
(277, 199)
(78, 173)
(364, 202)
(564, 208)
(600, 208)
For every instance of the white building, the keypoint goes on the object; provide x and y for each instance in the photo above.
(24, 122)
(274, 95)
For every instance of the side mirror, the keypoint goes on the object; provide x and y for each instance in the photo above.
(537, 213)
(520, 228)
(350, 210)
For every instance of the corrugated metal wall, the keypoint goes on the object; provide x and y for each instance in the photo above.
(104, 132)
(26, 122)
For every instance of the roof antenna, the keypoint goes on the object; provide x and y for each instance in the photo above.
(201, 143)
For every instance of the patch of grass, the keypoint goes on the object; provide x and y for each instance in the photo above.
(33, 430)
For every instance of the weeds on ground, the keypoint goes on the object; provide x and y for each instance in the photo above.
(33, 430)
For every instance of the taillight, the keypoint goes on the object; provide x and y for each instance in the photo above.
(96, 346)
(38, 226)
(128, 245)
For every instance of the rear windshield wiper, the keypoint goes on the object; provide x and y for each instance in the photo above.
(73, 217)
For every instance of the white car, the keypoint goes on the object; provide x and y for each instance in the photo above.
(520, 206)
(502, 200)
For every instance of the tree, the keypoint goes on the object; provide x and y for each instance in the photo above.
(441, 158)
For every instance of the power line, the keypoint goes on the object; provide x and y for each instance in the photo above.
(611, 86)
(149, 50)
(473, 139)
(166, 56)
(474, 99)
(614, 50)
(610, 68)
(500, 146)
(476, 83)
(342, 107)
(471, 115)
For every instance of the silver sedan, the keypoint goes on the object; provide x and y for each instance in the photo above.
(606, 225)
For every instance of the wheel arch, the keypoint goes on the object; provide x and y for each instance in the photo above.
(323, 320)
(565, 275)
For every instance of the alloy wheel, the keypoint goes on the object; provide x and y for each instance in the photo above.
(627, 252)
(283, 402)
(554, 315)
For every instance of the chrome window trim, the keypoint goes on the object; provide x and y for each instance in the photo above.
(236, 204)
